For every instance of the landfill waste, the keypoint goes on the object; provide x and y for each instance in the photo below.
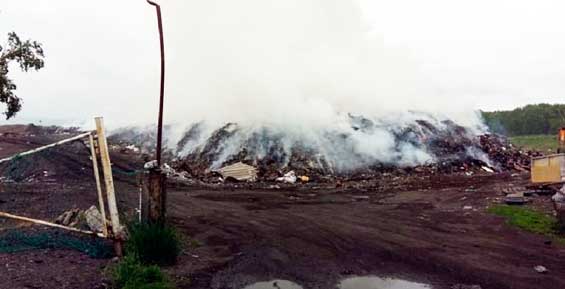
(69, 218)
(304, 179)
(289, 178)
(515, 199)
(150, 165)
(94, 219)
(487, 169)
(90, 219)
(239, 171)
(540, 269)
(559, 196)
(447, 148)
(559, 205)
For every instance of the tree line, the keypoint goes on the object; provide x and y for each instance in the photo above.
(531, 119)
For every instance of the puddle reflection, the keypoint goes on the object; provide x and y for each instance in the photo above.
(379, 283)
(274, 284)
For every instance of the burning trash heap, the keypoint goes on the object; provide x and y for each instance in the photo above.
(359, 146)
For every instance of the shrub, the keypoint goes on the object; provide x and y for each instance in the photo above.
(130, 274)
(153, 243)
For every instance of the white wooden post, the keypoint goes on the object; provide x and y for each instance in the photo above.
(108, 179)
(98, 186)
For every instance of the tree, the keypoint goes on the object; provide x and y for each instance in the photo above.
(531, 119)
(29, 55)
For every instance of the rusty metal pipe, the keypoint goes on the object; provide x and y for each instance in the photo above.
(162, 89)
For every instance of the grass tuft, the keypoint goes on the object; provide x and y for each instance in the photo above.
(130, 274)
(153, 243)
(526, 219)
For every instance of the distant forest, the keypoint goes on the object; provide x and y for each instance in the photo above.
(528, 120)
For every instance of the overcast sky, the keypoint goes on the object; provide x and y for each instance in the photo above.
(102, 56)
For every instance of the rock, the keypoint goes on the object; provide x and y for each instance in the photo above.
(465, 286)
(541, 269)
(515, 199)
(94, 219)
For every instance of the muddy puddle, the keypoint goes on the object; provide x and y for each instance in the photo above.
(274, 284)
(370, 282)
(367, 282)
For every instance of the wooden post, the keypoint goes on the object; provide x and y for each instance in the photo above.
(49, 224)
(154, 196)
(109, 181)
(98, 186)
(74, 138)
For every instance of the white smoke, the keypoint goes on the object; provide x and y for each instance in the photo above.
(299, 68)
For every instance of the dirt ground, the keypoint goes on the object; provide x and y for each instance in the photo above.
(429, 229)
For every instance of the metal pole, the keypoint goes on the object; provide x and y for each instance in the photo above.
(160, 121)
(155, 179)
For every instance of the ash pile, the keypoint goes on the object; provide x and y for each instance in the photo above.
(358, 148)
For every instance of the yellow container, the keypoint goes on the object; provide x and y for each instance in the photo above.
(548, 169)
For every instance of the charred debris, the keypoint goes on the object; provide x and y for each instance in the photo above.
(454, 149)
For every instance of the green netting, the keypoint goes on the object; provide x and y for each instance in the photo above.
(14, 241)
(126, 172)
(16, 168)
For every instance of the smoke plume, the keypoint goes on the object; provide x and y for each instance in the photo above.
(296, 73)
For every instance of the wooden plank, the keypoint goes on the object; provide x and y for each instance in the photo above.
(49, 224)
(108, 178)
(98, 186)
(46, 147)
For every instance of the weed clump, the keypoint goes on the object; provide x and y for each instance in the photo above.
(131, 274)
(526, 219)
(153, 243)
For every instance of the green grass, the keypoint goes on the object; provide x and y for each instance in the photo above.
(131, 274)
(543, 143)
(153, 243)
(527, 219)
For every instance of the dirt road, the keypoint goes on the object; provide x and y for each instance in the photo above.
(316, 237)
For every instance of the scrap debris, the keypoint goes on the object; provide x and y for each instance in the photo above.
(239, 171)
(289, 178)
(91, 219)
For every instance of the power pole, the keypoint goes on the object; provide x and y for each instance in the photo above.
(154, 181)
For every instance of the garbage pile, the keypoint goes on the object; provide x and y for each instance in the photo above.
(454, 150)
(507, 156)
(359, 148)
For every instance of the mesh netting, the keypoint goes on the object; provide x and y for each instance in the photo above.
(15, 241)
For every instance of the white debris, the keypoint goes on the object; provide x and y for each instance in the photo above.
(467, 207)
(540, 269)
(94, 219)
(289, 178)
(559, 196)
(487, 169)
(165, 168)
(132, 148)
(150, 165)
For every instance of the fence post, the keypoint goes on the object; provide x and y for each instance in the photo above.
(109, 181)
(154, 196)
(98, 186)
